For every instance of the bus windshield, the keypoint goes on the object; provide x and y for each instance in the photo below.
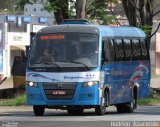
(63, 50)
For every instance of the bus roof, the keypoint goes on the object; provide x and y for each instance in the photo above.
(121, 31)
(75, 21)
(106, 31)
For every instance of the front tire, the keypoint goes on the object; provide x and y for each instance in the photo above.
(101, 109)
(38, 110)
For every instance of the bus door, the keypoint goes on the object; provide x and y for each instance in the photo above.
(112, 57)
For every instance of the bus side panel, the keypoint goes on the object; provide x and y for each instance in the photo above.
(113, 75)
(135, 73)
(121, 77)
(144, 88)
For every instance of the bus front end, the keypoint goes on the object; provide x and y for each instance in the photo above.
(63, 71)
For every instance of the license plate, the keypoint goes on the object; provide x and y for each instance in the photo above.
(59, 92)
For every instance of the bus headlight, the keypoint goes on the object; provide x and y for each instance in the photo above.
(32, 84)
(89, 84)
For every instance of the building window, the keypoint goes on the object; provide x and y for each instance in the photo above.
(34, 9)
(12, 27)
(26, 10)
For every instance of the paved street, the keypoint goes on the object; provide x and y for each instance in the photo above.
(24, 113)
(59, 118)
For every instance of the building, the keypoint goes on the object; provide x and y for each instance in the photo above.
(15, 34)
(155, 49)
(36, 10)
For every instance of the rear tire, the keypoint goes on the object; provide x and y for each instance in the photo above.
(127, 107)
(38, 110)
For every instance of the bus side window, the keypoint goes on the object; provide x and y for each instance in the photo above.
(136, 49)
(119, 50)
(108, 53)
(128, 49)
(112, 51)
(145, 55)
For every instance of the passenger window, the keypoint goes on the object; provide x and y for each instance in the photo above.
(136, 49)
(108, 51)
(119, 50)
(144, 50)
(128, 49)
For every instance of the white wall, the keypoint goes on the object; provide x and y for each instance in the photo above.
(19, 38)
(29, 9)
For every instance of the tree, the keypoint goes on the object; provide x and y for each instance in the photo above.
(7, 6)
(140, 13)
(59, 7)
(98, 10)
(22, 3)
(81, 9)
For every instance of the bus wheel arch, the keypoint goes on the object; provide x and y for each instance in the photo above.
(135, 94)
(107, 95)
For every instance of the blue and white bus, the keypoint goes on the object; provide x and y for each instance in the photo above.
(91, 67)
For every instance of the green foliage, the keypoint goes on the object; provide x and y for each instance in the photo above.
(149, 101)
(153, 99)
(19, 100)
(98, 10)
(147, 29)
(71, 11)
(55, 5)
(8, 6)
(21, 4)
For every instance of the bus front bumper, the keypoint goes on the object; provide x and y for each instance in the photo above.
(82, 96)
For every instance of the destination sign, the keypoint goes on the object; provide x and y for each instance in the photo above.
(54, 37)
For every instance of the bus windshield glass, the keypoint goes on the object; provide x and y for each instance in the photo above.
(64, 50)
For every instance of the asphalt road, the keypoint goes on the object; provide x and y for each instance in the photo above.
(59, 118)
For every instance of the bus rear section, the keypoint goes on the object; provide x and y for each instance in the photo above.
(126, 66)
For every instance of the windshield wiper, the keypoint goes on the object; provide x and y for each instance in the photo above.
(75, 62)
(79, 63)
(52, 63)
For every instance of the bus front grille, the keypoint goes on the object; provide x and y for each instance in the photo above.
(59, 91)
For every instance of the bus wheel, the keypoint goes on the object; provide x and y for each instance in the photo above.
(131, 105)
(101, 109)
(38, 110)
(127, 107)
(75, 110)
